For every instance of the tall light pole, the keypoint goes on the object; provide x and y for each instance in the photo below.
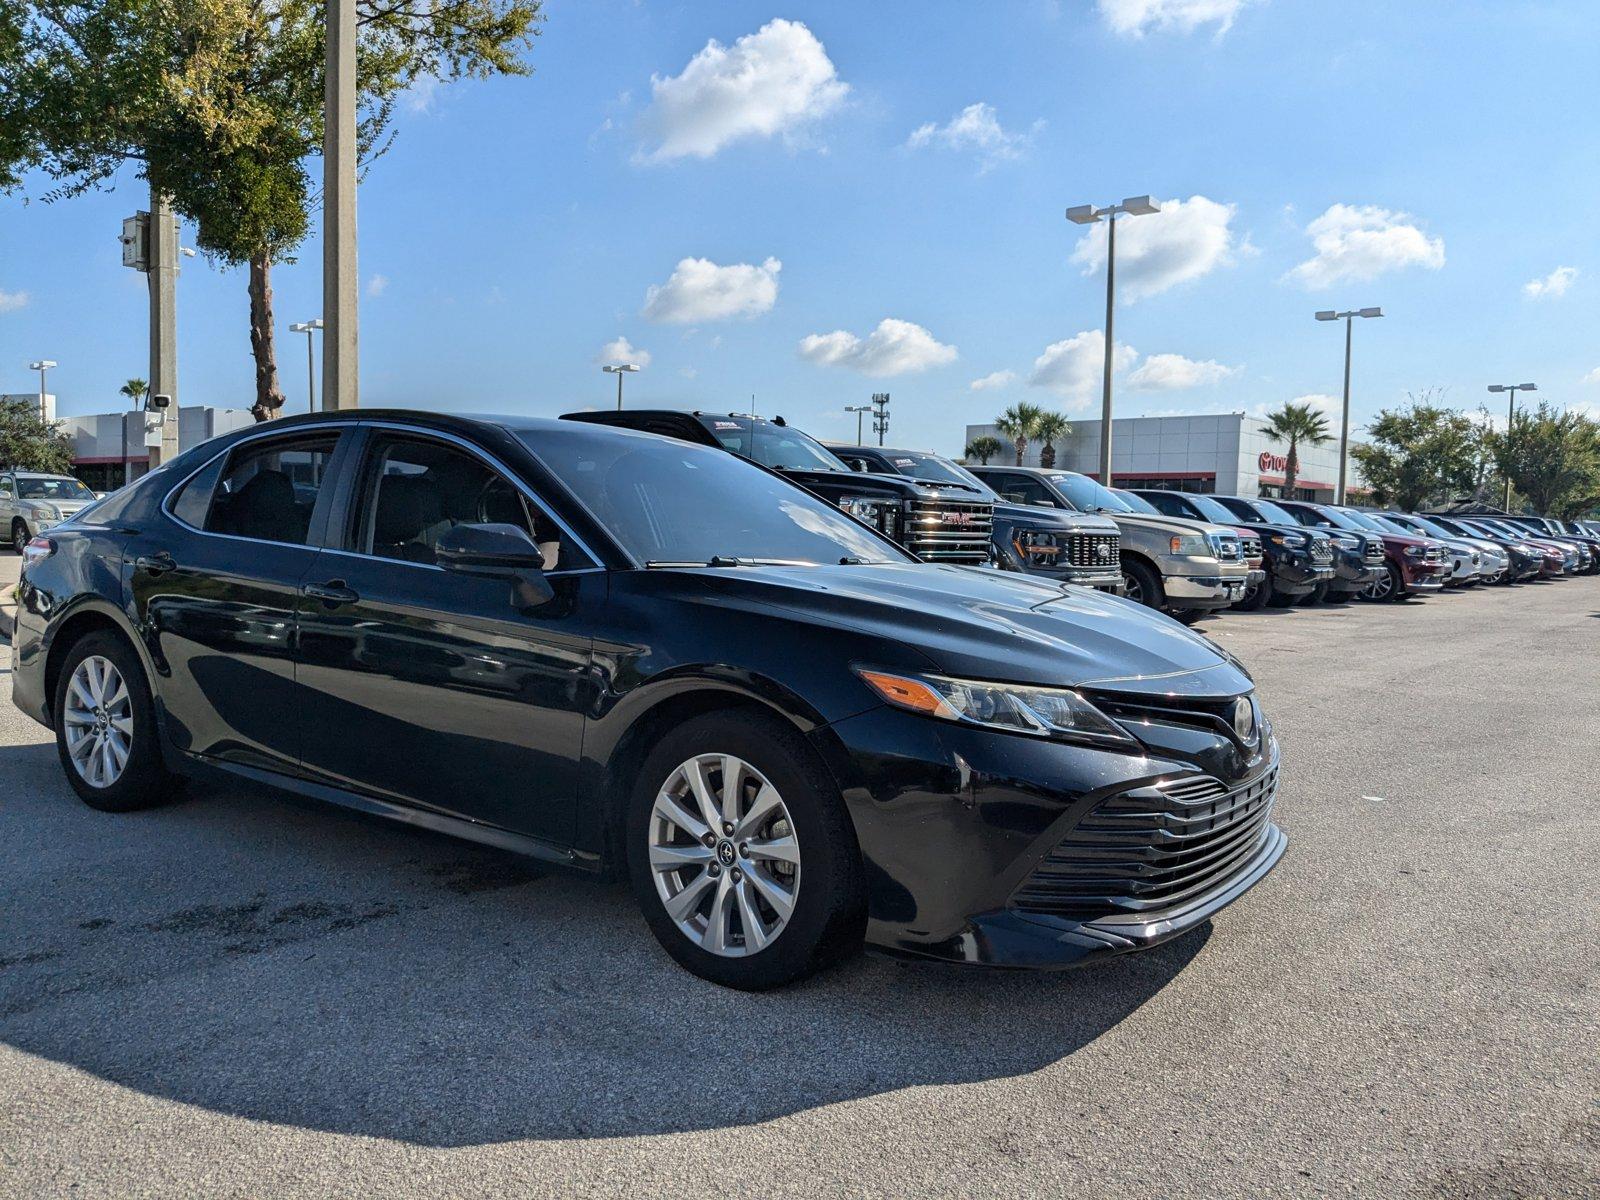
(42, 365)
(858, 409)
(309, 328)
(1088, 214)
(340, 295)
(1344, 429)
(619, 370)
(1511, 410)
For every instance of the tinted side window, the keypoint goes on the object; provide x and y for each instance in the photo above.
(416, 489)
(268, 491)
(193, 503)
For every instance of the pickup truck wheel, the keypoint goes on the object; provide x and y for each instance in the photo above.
(741, 853)
(1316, 595)
(1140, 583)
(1256, 598)
(19, 535)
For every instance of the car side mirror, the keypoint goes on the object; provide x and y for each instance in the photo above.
(498, 552)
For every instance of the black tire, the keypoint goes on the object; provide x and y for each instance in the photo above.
(1390, 590)
(1256, 598)
(828, 921)
(1188, 616)
(19, 535)
(1141, 583)
(1317, 595)
(144, 780)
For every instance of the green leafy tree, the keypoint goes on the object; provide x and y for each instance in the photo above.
(30, 443)
(1553, 460)
(984, 448)
(1052, 427)
(1294, 425)
(1020, 423)
(219, 105)
(134, 390)
(1419, 453)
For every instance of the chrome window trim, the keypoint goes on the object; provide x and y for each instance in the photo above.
(596, 562)
(338, 427)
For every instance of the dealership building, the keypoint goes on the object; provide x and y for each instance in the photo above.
(1226, 453)
(109, 449)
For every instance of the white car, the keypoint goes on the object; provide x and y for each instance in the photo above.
(32, 502)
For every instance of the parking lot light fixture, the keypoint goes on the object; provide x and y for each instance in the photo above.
(309, 328)
(1088, 214)
(1511, 410)
(858, 409)
(619, 370)
(42, 365)
(1348, 318)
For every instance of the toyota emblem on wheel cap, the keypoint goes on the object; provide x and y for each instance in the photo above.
(1244, 719)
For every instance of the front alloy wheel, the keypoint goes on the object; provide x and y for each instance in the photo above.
(724, 855)
(19, 535)
(1387, 586)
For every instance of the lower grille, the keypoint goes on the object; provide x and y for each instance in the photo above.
(1151, 848)
(1093, 549)
(949, 531)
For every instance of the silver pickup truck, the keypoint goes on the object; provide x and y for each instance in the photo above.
(32, 502)
(1185, 568)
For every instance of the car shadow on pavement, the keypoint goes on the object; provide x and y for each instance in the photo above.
(280, 961)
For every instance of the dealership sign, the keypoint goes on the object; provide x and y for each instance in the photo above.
(1272, 462)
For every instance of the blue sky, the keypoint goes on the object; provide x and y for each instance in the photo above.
(842, 198)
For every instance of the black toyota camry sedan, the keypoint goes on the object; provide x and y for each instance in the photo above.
(625, 653)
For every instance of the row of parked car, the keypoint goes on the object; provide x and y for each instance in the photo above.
(1186, 554)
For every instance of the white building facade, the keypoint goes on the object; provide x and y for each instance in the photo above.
(1225, 453)
(108, 449)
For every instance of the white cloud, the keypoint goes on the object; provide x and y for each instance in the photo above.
(1552, 286)
(893, 348)
(1328, 406)
(1362, 242)
(769, 83)
(700, 290)
(1173, 372)
(974, 128)
(1185, 240)
(1135, 18)
(420, 96)
(1593, 376)
(12, 301)
(995, 379)
(377, 285)
(622, 351)
(1072, 369)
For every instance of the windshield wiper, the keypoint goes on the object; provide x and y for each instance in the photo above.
(723, 560)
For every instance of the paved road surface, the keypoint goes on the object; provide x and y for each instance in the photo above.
(242, 994)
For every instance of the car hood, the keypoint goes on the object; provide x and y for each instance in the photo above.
(984, 624)
(1034, 516)
(66, 507)
(1161, 524)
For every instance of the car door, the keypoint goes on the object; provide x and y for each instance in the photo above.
(436, 688)
(213, 579)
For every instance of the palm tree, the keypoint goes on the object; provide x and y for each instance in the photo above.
(984, 448)
(135, 390)
(1296, 423)
(1052, 427)
(1020, 423)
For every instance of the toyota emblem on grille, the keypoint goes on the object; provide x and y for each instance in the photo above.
(1244, 719)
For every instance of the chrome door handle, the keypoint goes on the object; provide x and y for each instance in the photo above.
(158, 563)
(332, 593)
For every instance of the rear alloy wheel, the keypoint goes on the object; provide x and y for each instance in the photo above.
(1141, 584)
(105, 725)
(741, 854)
(19, 535)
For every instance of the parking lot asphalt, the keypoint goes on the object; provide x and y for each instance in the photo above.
(243, 994)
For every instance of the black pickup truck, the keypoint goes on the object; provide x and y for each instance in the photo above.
(949, 523)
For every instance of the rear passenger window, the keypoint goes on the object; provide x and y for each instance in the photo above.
(268, 492)
(193, 503)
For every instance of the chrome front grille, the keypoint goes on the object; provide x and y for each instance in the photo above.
(1228, 549)
(1251, 546)
(1432, 554)
(1151, 848)
(1322, 549)
(1094, 549)
(1374, 551)
(949, 531)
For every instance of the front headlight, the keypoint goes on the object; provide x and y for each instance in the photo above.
(1292, 540)
(865, 508)
(1346, 543)
(48, 511)
(1415, 551)
(1190, 544)
(1014, 708)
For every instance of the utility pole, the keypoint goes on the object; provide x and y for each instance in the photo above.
(340, 296)
(162, 276)
(1344, 428)
(880, 414)
(859, 409)
(1511, 390)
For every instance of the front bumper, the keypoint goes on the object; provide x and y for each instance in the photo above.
(1352, 572)
(1206, 591)
(1296, 573)
(953, 820)
(1424, 576)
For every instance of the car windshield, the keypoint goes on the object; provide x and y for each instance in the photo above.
(667, 501)
(1136, 503)
(1085, 493)
(1213, 510)
(55, 488)
(1359, 520)
(772, 445)
(1242, 509)
(1278, 516)
(935, 470)
(1427, 527)
(1389, 526)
